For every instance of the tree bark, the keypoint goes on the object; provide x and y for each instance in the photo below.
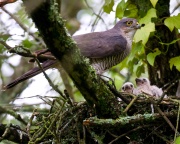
(52, 29)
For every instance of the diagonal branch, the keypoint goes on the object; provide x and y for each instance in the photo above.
(51, 27)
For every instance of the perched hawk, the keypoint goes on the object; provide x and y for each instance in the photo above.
(104, 49)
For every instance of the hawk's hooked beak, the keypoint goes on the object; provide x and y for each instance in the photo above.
(138, 26)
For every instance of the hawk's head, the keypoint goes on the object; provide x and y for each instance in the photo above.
(142, 81)
(128, 87)
(128, 26)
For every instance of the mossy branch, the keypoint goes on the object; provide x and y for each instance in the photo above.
(51, 27)
(127, 120)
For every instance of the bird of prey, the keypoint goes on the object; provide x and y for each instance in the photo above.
(143, 86)
(128, 87)
(104, 49)
(157, 92)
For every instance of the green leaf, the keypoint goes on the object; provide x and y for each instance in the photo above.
(136, 48)
(150, 14)
(175, 61)
(108, 6)
(121, 7)
(172, 22)
(136, 58)
(4, 36)
(140, 70)
(131, 10)
(28, 44)
(177, 140)
(132, 65)
(151, 56)
(144, 32)
(154, 2)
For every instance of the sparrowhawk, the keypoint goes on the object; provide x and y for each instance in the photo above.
(143, 86)
(104, 49)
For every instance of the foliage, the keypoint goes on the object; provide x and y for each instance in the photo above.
(172, 22)
(108, 6)
(154, 2)
(151, 56)
(175, 61)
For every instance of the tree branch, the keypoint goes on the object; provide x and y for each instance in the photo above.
(13, 133)
(51, 27)
(125, 121)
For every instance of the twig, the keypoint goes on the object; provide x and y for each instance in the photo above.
(25, 54)
(78, 131)
(14, 134)
(130, 104)
(38, 136)
(117, 94)
(29, 54)
(67, 83)
(115, 136)
(6, 132)
(65, 126)
(84, 134)
(14, 114)
(68, 98)
(177, 123)
(28, 127)
(22, 25)
(165, 91)
(50, 82)
(162, 137)
(176, 7)
(52, 106)
(165, 118)
(45, 101)
(133, 130)
(110, 80)
(97, 15)
(162, 113)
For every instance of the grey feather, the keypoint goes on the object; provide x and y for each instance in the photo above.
(101, 44)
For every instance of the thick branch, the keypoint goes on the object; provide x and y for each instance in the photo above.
(12, 113)
(53, 31)
(125, 121)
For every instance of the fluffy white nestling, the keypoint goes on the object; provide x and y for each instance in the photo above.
(128, 87)
(143, 86)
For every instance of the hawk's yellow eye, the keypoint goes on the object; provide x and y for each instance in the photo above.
(129, 23)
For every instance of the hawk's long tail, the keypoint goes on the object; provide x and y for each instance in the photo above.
(35, 71)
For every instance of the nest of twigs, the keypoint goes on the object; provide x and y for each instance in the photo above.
(143, 120)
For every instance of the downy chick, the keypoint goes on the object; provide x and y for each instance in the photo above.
(128, 87)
